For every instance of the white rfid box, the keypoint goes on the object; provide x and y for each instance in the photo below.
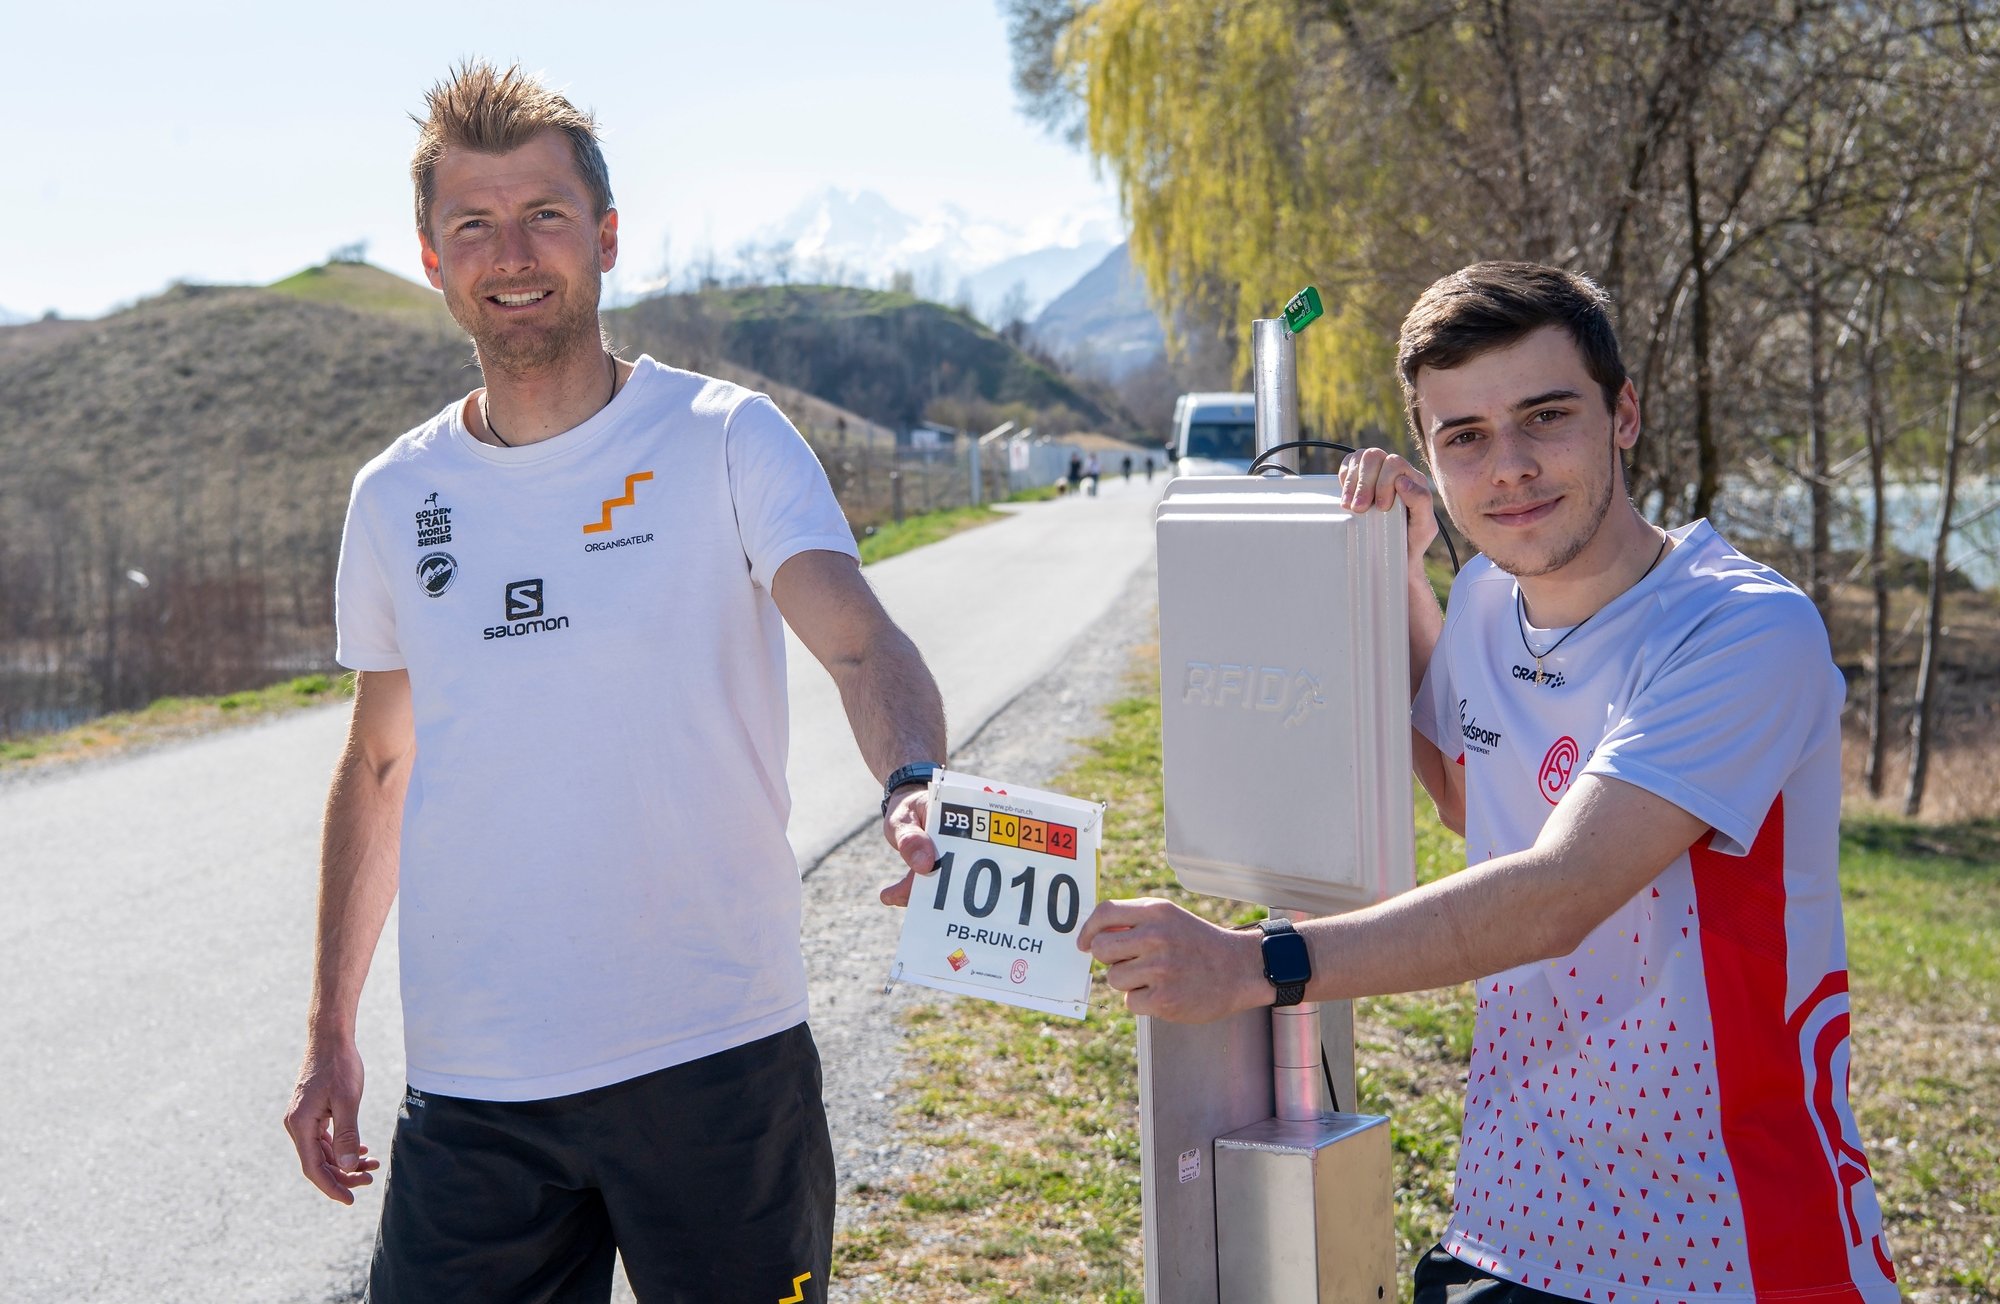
(1285, 693)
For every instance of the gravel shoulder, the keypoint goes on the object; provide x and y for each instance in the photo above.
(850, 936)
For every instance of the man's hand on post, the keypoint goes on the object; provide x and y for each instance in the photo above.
(1375, 478)
(1174, 965)
(322, 1120)
(903, 828)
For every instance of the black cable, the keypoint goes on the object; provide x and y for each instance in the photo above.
(1327, 1069)
(1257, 467)
(1296, 443)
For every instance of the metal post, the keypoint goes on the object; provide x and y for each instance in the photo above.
(896, 495)
(1296, 1080)
(1275, 371)
(979, 452)
(1298, 1206)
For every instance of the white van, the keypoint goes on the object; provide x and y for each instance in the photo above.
(1214, 434)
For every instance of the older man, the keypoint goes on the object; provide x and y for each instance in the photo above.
(563, 594)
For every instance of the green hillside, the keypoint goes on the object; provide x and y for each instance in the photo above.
(891, 357)
(363, 286)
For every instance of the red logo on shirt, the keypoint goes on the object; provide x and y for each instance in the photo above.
(1558, 768)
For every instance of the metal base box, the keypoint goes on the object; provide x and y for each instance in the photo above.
(1305, 1212)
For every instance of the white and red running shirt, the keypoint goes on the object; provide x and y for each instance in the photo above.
(1662, 1113)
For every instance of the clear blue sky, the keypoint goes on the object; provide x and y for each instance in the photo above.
(241, 142)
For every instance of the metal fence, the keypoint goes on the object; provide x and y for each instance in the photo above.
(878, 482)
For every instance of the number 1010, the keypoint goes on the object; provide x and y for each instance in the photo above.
(981, 892)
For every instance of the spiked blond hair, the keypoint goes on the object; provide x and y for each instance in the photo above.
(491, 111)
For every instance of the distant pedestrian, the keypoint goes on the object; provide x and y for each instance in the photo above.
(1075, 472)
(1149, 470)
(1128, 466)
(1091, 472)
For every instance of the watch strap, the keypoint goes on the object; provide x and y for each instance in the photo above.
(915, 772)
(1287, 993)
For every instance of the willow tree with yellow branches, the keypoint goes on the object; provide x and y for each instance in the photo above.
(1261, 144)
(1746, 177)
(1232, 186)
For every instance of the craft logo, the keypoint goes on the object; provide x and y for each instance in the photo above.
(1547, 679)
(1558, 768)
(433, 524)
(1479, 739)
(1271, 690)
(436, 571)
(526, 613)
(602, 525)
(957, 959)
(1019, 973)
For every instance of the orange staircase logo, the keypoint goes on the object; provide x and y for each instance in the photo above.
(603, 523)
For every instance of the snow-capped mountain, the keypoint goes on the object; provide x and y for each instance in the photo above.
(1103, 325)
(858, 237)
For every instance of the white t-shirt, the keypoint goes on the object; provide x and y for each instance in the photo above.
(595, 879)
(1662, 1113)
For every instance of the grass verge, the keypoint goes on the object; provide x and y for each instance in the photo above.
(168, 718)
(916, 531)
(1036, 1196)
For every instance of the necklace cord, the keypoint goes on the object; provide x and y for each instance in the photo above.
(486, 413)
(1521, 614)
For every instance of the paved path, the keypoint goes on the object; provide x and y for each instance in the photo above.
(155, 936)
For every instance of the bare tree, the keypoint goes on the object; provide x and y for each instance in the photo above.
(1970, 280)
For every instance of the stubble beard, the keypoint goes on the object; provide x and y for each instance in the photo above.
(1566, 550)
(516, 351)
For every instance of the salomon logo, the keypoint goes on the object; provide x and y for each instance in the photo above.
(524, 599)
(525, 612)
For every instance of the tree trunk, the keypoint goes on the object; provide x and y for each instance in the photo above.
(1708, 468)
(1878, 567)
(1927, 668)
(1819, 578)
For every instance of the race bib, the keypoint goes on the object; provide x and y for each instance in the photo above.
(1016, 877)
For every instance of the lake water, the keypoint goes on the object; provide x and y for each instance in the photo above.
(1974, 550)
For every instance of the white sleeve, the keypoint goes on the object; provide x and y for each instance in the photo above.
(364, 613)
(784, 505)
(1434, 708)
(1730, 714)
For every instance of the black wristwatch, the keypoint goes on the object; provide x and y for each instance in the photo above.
(1287, 962)
(915, 772)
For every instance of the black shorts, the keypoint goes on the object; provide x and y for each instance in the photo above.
(1441, 1279)
(714, 1180)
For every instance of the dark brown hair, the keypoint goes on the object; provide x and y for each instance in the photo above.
(481, 108)
(1489, 306)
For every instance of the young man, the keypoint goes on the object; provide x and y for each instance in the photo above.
(1637, 731)
(563, 596)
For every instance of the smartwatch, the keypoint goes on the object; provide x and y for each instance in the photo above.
(1287, 962)
(915, 772)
